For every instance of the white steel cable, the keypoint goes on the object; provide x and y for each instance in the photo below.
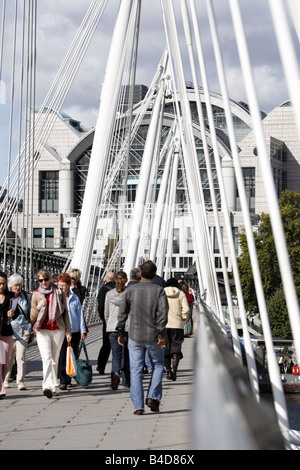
(10, 130)
(192, 169)
(2, 36)
(101, 143)
(221, 74)
(43, 124)
(189, 41)
(279, 400)
(236, 343)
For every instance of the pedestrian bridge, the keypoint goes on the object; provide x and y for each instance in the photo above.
(216, 402)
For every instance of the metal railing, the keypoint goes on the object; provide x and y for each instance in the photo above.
(226, 416)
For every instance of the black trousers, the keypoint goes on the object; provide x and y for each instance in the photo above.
(174, 339)
(104, 350)
(62, 363)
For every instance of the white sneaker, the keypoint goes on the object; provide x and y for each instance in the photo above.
(6, 384)
(21, 386)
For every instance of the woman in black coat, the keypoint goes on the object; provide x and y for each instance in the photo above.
(6, 331)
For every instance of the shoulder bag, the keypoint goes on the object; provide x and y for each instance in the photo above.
(84, 374)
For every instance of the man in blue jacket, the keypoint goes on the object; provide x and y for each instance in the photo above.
(148, 307)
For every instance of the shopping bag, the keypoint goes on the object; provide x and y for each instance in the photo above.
(2, 353)
(71, 367)
(84, 369)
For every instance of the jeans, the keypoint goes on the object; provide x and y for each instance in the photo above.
(120, 358)
(137, 358)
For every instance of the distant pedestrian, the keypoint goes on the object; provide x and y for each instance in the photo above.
(134, 277)
(6, 331)
(120, 355)
(178, 313)
(159, 280)
(188, 323)
(146, 305)
(22, 327)
(50, 326)
(105, 348)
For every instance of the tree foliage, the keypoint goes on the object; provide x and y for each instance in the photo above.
(289, 204)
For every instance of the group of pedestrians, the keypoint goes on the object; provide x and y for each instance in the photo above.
(53, 313)
(143, 326)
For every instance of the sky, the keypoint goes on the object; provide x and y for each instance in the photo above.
(58, 22)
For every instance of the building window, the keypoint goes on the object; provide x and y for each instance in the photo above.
(216, 247)
(235, 233)
(190, 245)
(49, 237)
(37, 237)
(175, 246)
(49, 189)
(249, 181)
(185, 262)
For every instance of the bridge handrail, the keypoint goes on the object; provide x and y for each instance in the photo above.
(226, 416)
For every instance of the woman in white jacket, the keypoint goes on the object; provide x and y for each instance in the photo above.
(120, 354)
(178, 312)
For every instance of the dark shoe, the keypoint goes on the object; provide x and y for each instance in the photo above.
(115, 381)
(169, 375)
(48, 393)
(139, 412)
(153, 404)
(63, 386)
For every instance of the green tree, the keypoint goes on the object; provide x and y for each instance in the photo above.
(289, 204)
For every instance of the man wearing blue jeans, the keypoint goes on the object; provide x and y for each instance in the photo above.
(148, 307)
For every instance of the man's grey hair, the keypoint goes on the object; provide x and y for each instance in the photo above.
(135, 274)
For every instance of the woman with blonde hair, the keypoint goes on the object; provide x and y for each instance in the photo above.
(76, 285)
(78, 328)
(120, 354)
(51, 324)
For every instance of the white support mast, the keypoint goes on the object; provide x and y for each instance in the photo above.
(145, 179)
(101, 148)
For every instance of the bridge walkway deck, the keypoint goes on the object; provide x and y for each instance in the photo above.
(96, 417)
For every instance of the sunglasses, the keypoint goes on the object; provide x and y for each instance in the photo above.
(43, 280)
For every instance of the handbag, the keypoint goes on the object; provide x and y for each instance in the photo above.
(71, 366)
(84, 369)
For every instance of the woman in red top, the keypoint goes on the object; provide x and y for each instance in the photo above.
(51, 324)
